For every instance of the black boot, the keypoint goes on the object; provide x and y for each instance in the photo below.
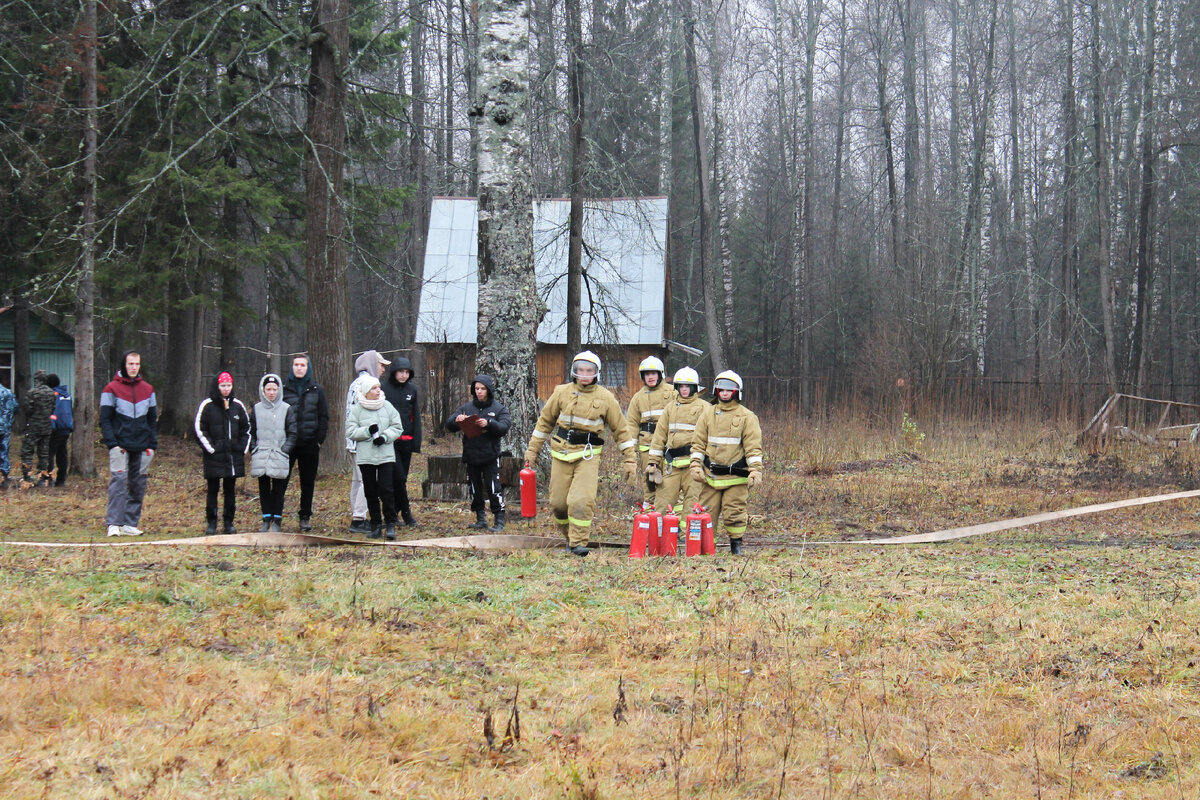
(275, 527)
(409, 522)
(211, 528)
(305, 524)
(229, 527)
(389, 532)
(480, 520)
(360, 526)
(266, 526)
(376, 532)
(735, 547)
(499, 526)
(580, 550)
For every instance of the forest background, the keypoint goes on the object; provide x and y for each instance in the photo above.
(967, 198)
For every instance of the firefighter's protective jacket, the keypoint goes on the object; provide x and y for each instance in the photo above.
(673, 435)
(573, 419)
(645, 409)
(728, 441)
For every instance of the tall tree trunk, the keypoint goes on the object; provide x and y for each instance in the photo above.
(721, 177)
(470, 36)
(839, 144)
(1140, 352)
(509, 306)
(912, 24)
(578, 176)
(1103, 181)
(84, 436)
(417, 161)
(716, 347)
(328, 308)
(1022, 230)
(1069, 247)
(812, 30)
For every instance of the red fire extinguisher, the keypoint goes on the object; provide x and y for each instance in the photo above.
(708, 546)
(698, 522)
(656, 531)
(670, 537)
(641, 535)
(528, 492)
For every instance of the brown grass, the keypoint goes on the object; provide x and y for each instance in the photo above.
(1055, 662)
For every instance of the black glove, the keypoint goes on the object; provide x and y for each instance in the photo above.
(378, 440)
(374, 429)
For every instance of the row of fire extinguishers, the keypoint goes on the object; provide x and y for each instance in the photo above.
(654, 533)
(657, 534)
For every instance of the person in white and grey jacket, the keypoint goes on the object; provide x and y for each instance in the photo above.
(374, 425)
(370, 365)
(272, 438)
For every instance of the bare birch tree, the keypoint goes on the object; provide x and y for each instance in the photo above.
(509, 306)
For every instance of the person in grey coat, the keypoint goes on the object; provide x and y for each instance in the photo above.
(272, 439)
(373, 424)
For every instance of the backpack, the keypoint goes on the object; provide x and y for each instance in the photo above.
(64, 416)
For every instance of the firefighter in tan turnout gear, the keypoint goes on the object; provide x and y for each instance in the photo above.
(727, 457)
(573, 419)
(645, 408)
(671, 448)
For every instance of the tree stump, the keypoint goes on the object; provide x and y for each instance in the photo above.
(447, 479)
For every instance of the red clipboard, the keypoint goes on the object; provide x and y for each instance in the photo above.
(470, 426)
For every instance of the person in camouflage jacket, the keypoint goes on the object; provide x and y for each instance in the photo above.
(38, 427)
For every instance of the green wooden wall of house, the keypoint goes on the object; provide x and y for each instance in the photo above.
(49, 348)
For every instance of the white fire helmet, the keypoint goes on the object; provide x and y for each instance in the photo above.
(652, 364)
(729, 380)
(687, 376)
(586, 357)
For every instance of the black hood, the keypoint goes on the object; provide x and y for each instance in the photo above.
(121, 369)
(214, 393)
(397, 365)
(300, 385)
(487, 381)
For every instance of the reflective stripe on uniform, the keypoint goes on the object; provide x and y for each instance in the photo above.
(654, 412)
(572, 421)
(725, 482)
(574, 455)
(697, 456)
(732, 529)
(655, 452)
(680, 462)
(724, 440)
(754, 460)
(540, 435)
(680, 426)
(583, 523)
(628, 444)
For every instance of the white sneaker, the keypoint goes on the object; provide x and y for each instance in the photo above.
(129, 530)
(114, 530)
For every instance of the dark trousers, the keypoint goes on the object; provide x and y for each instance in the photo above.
(58, 452)
(484, 480)
(270, 496)
(400, 478)
(210, 508)
(377, 486)
(308, 456)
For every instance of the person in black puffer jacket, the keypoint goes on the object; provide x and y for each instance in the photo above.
(484, 422)
(223, 430)
(402, 394)
(302, 392)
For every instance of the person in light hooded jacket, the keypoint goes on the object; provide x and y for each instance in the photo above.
(369, 366)
(374, 425)
(272, 439)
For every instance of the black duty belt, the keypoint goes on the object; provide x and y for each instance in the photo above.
(678, 452)
(648, 427)
(573, 436)
(737, 468)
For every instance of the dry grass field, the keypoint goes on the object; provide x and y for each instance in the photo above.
(1060, 661)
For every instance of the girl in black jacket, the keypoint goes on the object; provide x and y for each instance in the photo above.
(223, 429)
(402, 394)
(484, 422)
